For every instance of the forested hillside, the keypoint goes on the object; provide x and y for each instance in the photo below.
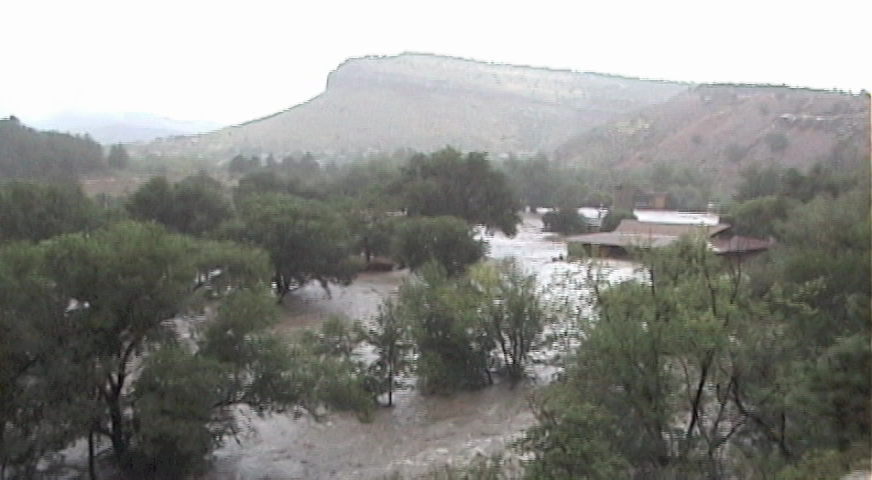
(718, 130)
(26, 153)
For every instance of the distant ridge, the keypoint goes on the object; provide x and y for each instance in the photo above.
(112, 128)
(427, 101)
(719, 129)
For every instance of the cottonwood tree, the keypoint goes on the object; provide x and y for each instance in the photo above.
(511, 311)
(128, 281)
(612, 219)
(118, 157)
(566, 221)
(33, 212)
(193, 206)
(103, 346)
(658, 361)
(447, 241)
(306, 240)
(390, 337)
(42, 406)
(452, 342)
(448, 183)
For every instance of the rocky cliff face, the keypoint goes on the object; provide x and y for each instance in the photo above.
(426, 102)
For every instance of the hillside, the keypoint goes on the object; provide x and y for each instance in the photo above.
(426, 102)
(30, 154)
(121, 127)
(720, 129)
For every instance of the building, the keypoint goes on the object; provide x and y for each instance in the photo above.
(634, 234)
(628, 197)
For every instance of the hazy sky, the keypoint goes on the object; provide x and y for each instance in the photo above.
(233, 61)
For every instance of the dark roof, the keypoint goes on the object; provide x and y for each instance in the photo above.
(739, 244)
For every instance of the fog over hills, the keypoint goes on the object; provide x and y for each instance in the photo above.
(108, 128)
(425, 102)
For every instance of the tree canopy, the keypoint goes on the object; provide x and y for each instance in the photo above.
(193, 206)
(447, 241)
(464, 186)
(94, 345)
(306, 240)
(34, 212)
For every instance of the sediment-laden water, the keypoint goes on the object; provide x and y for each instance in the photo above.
(419, 433)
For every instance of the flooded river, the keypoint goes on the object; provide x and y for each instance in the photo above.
(419, 433)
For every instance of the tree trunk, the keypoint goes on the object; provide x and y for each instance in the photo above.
(92, 464)
(367, 251)
(116, 429)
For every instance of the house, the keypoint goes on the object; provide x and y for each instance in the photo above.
(632, 234)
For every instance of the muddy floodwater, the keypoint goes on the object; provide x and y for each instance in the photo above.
(419, 433)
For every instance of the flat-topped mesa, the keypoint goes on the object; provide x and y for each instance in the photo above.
(435, 72)
(425, 102)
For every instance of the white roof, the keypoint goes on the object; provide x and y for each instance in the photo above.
(674, 217)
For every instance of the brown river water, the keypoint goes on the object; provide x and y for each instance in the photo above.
(419, 433)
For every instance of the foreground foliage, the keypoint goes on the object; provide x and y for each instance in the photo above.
(94, 346)
(703, 368)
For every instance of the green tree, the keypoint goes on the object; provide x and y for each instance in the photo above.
(194, 206)
(512, 312)
(42, 406)
(35, 212)
(566, 221)
(122, 319)
(118, 157)
(240, 164)
(658, 360)
(448, 241)
(449, 183)
(452, 342)
(758, 217)
(94, 344)
(612, 219)
(571, 440)
(201, 205)
(372, 229)
(175, 397)
(306, 240)
(390, 338)
(268, 181)
(758, 182)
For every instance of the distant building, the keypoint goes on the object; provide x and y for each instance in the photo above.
(633, 234)
(628, 197)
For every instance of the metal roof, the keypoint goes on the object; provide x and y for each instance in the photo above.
(739, 244)
(618, 239)
(677, 230)
(677, 218)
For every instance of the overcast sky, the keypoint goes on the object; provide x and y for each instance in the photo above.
(229, 62)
